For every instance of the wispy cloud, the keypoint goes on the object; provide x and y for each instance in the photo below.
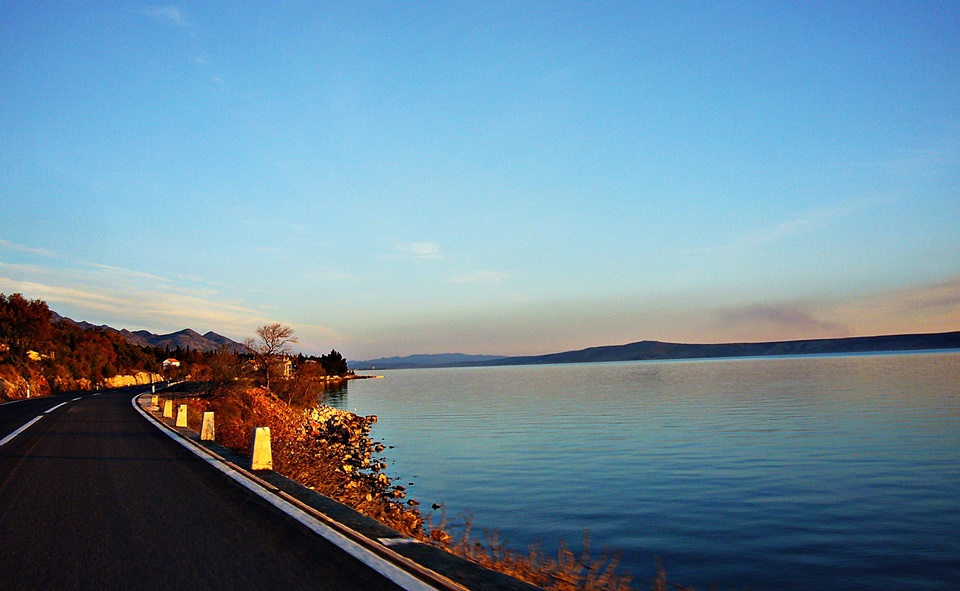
(936, 305)
(75, 270)
(804, 222)
(128, 273)
(124, 298)
(37, 251)
(314, 337)
(203, 62)
(935, 157)
(420, 250)
(933, 307)
(169, 14)
(481, 277)
(786, 319)
(942, 296)
(127, 298)
(922, 163)
(325, 274)
(155, 309)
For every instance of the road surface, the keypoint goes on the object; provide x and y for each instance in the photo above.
(93, 496)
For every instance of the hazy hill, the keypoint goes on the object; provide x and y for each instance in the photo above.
(423, 361)
(652, 350)
(649, 350)
(187, 337)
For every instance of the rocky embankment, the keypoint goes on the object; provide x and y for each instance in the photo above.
(141, 378)
(16, 387)
(323, 448)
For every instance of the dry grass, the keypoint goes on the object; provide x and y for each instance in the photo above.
(331, 452)
(567, 572)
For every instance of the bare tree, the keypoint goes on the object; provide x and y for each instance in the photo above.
(270, 346)
(225, 369)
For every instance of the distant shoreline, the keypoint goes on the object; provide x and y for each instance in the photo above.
(657, 350)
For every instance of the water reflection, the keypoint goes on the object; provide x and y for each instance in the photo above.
(750, 473)
(335, 394)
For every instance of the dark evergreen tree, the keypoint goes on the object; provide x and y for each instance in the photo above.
(334, 364)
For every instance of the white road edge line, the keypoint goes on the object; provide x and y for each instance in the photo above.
(6, 439)
(395, 574)
(50, 410)
(16, 401)
(77, 398)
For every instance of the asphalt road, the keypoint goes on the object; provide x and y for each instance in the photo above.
(92, 496)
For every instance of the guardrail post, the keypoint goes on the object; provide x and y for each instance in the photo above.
(262, 457)
(182, 415)
(207, 430)
(168, 409)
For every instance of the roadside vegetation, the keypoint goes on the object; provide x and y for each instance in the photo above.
(40, 356)
(332, 452)
(326, 449)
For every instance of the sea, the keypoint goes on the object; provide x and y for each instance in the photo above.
(804, 472)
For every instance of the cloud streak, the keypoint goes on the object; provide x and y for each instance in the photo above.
(136, 300)
(420, 250)
(169, 14)
(803, 223)
(540, 326)
(139, 308)
(489, 277)
(934, 307)
(37, 251)
(781, 319)
(928, 308)
(128, 273)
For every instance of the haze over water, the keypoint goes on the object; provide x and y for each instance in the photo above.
(773, 473)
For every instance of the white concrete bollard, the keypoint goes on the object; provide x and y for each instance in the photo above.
(261, 455)
(155, 402)
(207, 430)
(182, 415)
(168, 409)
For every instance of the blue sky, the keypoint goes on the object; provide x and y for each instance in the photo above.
(393, 178)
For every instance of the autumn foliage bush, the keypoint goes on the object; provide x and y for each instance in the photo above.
(42, 355)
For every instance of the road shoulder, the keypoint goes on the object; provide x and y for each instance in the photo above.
(426, 564)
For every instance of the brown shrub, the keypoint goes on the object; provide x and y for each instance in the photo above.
(328, 450)
(568, 572)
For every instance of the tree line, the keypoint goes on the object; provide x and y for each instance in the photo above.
(41, 355)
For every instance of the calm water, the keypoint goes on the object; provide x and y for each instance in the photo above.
(839, 472)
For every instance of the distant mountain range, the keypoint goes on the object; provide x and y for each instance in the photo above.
(185, 338)
(420, 361)
(653, 350)
(639, 351)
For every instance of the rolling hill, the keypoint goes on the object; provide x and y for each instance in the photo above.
(185, 338)
(654, 350)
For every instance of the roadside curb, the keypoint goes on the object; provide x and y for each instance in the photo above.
(420, 566)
